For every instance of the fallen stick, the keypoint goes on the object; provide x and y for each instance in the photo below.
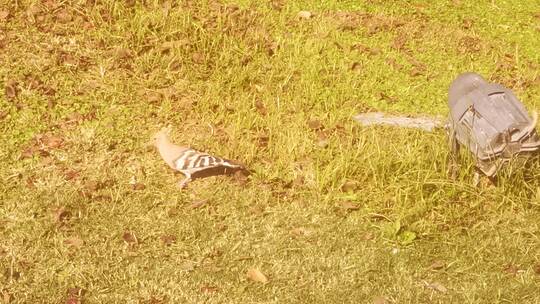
(379, 118)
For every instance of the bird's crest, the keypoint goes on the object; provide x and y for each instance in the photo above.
(164, 133)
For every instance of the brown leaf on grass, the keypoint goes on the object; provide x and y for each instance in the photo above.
(6, 297)
(350, 185)
(198, 203)
(168, 239)
(257, 276)
(123, 53)
(437, 287)
(130, 3)
(33, 82)
(399, 43)
(197, 57)
(304, 15)
(50, 141)
(271, 48)
(277, 5)
(155, 300)
(511, 269)
(300, 231)
(388, 98)
(356, 67)
(315, 124)
(349, 206)
(187, 266)
(74, 295)
(129, 237)
(365, 49)
(61, 215)
(261, 108)
(93, 186)
(323, 143)
(368, 236)
(32, 12)
(262, 140)
(467, 23)
(50, 4)
(537, 269)
(74, 242)
(209, 288)
(11, 89)
(416, 72)
(28, 152)
(322, 139)
(379, 300)
(437, 265)
(64, 16)
(138, 186)
(3, 114)
(469, 44)
(154, 97)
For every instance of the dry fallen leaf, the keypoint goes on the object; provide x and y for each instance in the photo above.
(138, 186)
(187, 266)
(74, 241)
(198, 58)
(315, 124)
(262, 140)
(11, 90)
(50, 141)
(511, 269)
(6, 297)
(61, 215)
(438, 287)
(260, 107)
(365, 49)
(71, 174)
(257, 276)
(536, 269)
(93, 186)
(388, 98)
(379, 300)
(437, 264)
(168, 239)
(123, 54)
(277, 4)
(154, 97)
(129, 237)
(63, 16)
(198, 203)
(304, 14)
(209, 288)
(349, 186)
(349, 206)
(74, 295)
(300, 231)
(356, 67)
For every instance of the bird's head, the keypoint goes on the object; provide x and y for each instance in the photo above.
(160, 136)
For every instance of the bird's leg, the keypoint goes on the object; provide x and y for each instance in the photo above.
(453, 161)
(183, 183)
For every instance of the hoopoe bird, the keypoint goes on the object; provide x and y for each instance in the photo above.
(192, 163)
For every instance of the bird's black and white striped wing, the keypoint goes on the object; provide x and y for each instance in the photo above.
(191, 161)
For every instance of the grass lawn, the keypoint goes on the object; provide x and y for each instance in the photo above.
(332, 213)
